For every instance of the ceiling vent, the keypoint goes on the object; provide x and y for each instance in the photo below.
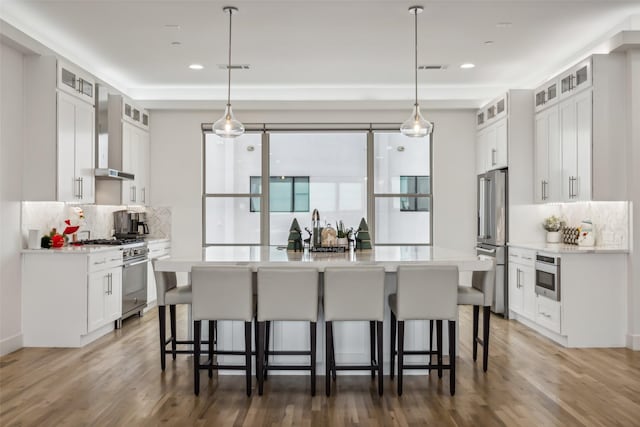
(432, 67)
(234, 66)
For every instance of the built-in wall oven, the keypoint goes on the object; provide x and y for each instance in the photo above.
(548, 276)
(134, 280)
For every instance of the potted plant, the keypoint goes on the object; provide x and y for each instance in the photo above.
(553, 224)
(343, 235)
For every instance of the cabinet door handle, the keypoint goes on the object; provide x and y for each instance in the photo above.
(77, 188)
(135, 190)
(518, 278)
(144, 195)
(82, 188)
(544, 190)
(493, 157)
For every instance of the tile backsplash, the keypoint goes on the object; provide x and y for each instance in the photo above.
(610, 221)
(98, 219)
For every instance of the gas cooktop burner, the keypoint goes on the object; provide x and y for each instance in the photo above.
(115, 242)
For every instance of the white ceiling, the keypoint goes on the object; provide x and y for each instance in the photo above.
(321, 50)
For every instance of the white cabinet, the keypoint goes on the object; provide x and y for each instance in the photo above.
(128, 128)
(73, 308)
(548, 313)
(492, 147)
(522, 296)
(548, 157)
(546, 95)
(75, 82)
(60, 135)
(76, 122)
(104, 298)
(584, 134)
(575, 139)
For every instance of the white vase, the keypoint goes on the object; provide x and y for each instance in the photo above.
(553, 237)
(343, 242)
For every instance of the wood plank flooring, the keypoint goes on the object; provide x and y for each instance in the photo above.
(117, 381)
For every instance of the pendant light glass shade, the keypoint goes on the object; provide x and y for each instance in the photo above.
(416, 125)
(227, 126)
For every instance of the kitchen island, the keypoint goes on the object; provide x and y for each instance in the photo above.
(351, 338)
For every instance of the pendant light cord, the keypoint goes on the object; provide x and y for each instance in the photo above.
(415, 13)
(229, 64)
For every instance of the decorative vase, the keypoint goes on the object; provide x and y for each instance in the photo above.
(553, 237)
(343, 242)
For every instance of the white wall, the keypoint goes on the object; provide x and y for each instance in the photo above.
(176, 181)
(11, 163)
(633, 186)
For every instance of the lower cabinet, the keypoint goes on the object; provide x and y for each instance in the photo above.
(522, 294)
(104, 298)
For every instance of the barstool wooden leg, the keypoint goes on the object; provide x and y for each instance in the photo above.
(334, 371)
(172, 320)
(430, 344)
(260, 357)
(452, 357)
(196, 357)
(439, 344)
(247, 353)
(372, 347)
(212, 330)
(476, 313)
(486, 316)
(392, 345)
(266, 349)
(400, 355)
(255, 319)
(312, 330)
(380, 358)
(328, 368)
(162, 315)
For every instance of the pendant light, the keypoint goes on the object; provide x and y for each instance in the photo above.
(227, 126)
(416, 125)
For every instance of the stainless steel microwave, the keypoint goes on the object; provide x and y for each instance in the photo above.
(548, 276)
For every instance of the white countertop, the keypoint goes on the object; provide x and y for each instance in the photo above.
(388, 256)
(75, 250)
(560, 248)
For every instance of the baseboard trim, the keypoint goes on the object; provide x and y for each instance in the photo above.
(11, 344)
(633, 342)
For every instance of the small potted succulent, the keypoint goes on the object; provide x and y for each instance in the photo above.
(343, 235)
(553, 224)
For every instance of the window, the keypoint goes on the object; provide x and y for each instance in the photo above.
(415, 185)
(286, 193)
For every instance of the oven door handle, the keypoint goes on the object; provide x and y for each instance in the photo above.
(135, 263)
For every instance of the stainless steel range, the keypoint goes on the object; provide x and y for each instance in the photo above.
(134, 279)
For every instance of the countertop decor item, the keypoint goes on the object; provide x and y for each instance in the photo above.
(416, 125)
(343, 234)
(586, 236)
(227, 126)
(553, 224)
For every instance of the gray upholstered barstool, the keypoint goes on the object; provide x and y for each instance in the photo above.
(169, 293)
(222, 293)
(288, 293)
(480, 293)
(354, 293)
(425, 293)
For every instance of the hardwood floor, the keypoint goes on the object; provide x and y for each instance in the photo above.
(117, 381)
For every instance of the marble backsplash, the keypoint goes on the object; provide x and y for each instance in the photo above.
(98, 219)
(611, 221)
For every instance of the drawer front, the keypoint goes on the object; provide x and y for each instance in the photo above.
(105, 260)
(158, 250)
(548, 313)
(522, 256)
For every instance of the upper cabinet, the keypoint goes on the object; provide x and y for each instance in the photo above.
(127, 128)
(60, 132)
(491, 150)
(579, 138)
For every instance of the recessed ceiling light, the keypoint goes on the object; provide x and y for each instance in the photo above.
(504, 24)
(467, 65)
(196, 66)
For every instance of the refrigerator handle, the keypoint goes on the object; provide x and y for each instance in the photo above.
(488, 208)
(482, 208)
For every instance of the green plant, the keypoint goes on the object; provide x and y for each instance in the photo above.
(552, 223)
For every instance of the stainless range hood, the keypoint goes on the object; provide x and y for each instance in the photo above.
(108, 158)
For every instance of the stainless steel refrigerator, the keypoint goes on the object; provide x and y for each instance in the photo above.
(492, 231)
